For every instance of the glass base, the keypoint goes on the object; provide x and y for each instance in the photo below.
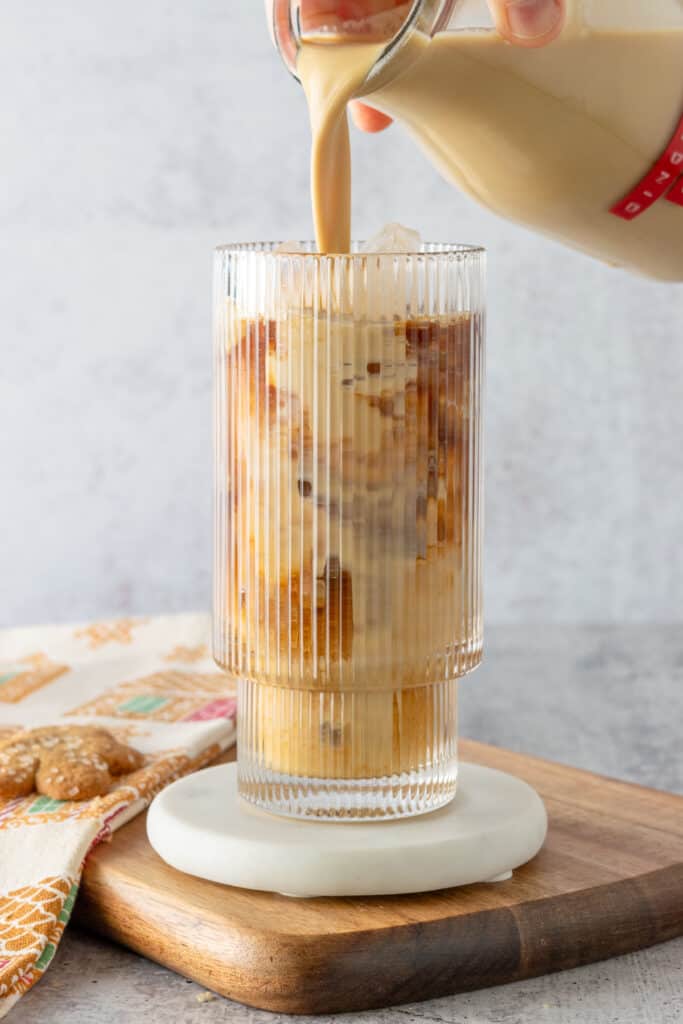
(399, 796)
(347, 756)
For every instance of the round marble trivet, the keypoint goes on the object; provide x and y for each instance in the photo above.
(201, 826)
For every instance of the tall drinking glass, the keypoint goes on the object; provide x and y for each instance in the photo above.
(348, 520)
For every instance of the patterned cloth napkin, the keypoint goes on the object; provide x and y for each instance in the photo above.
(150, 682)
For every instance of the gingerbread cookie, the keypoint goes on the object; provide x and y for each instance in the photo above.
(65, 762)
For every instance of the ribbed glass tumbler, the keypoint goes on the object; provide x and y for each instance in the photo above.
(348, 520)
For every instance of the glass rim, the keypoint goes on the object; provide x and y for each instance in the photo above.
(443, 249)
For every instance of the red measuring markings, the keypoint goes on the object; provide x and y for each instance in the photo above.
(676, 193)
(657, 182)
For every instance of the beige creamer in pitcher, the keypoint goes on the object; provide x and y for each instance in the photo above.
(581, 140)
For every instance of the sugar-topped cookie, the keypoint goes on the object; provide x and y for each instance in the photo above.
(65, 762)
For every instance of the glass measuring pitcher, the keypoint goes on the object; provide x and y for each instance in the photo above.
(581, 140)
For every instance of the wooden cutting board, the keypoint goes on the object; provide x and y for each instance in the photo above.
(608, 881)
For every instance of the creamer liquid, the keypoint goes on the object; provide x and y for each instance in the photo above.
(549, 138)
(331, 75)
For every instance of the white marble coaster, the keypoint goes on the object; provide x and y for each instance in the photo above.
(201, 826)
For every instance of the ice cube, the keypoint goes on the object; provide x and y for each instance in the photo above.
(394, 238)
(290, 247)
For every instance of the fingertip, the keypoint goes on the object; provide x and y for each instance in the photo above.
(530, 23)
(368, 119)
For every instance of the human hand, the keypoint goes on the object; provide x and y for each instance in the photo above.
(528, 23)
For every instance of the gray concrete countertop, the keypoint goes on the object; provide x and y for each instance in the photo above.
(606, 699)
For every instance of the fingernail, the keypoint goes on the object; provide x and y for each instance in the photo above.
(532, 19)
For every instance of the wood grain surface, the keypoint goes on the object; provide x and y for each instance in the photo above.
(608, 881)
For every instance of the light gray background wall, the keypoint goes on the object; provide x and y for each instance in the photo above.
(136, 136)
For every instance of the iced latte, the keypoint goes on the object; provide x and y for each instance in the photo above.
(348, 521)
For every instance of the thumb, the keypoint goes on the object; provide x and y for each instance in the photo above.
(529, 22)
